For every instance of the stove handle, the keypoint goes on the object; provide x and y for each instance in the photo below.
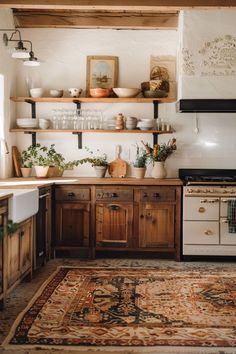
(226, 200)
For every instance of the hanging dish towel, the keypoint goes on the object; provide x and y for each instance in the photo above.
(231, 214)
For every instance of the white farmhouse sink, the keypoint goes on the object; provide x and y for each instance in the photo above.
(23, 204)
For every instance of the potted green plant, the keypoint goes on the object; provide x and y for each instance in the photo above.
(38, 158)
(57, 164)
(139, 166)
(26, 163)
(98, 161)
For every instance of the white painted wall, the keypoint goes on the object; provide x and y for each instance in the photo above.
(65, 51)
(8, 81)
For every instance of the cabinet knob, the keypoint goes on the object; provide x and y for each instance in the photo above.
(71, 194)
(114, 207)
(145, 195)
(141, 216)
(114, 195)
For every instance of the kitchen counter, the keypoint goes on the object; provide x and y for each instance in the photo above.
(5, 195)
(38, 183)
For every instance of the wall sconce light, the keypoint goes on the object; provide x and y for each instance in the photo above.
(20, 51)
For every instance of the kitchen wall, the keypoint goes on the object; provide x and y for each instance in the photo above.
(205, 51)
(7, 88)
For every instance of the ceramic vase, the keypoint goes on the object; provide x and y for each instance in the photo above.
(139, 172)
(41, 171)
(100, 171)
(26, 171)
(54, 171)
(158, 170)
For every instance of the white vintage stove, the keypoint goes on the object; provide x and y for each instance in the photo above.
(207, 196)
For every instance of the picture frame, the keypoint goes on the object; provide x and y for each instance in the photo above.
(102, 71)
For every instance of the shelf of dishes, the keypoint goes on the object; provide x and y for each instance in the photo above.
(92, 100)
(33, 130)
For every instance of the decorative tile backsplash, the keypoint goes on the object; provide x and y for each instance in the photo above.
(215, 58)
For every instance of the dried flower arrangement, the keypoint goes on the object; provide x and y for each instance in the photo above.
(160, 152)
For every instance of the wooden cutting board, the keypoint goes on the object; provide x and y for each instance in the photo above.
(118, 167)
(16, 161)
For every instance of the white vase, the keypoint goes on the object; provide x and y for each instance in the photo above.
(139, 172)
(41, 171)
(26, 171)
(100, 171)
(158, 170)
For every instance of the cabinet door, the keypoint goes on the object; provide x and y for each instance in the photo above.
(156, 226)
(72, 224)
(114, 224)
(48, 226)
(3, 233)
(25, 246)
(13, 257)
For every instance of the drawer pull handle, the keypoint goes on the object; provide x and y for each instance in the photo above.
(156, 195)
(114, 207)
(114, 195)
(141, 216)
(208, 232)
(145, 195)
(226, 200)
(201, 210)
(71, 194)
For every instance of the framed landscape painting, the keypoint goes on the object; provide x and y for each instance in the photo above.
(102, 71)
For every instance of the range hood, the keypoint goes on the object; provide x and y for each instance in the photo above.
(206, 105)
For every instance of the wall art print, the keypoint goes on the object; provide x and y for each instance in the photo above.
(102, 71)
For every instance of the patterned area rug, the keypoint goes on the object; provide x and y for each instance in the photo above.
(131, 307)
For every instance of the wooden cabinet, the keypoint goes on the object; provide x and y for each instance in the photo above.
(19, 253)
(72, 226)
(114, 223)
(42, 244)
(106, 218)
(3, 240)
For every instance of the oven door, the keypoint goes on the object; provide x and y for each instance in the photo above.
(226, 237)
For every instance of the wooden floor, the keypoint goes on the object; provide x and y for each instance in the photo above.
(25, 291)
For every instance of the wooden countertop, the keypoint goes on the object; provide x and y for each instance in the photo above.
(39, 183)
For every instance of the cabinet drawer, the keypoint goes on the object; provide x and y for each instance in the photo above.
(68, 193)
(157, 195)
(201, 232)
(114, 194)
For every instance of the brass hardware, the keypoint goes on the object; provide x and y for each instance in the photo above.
(156, 195)
(224, 221)
(208, 232)
(201, 210)
(71, 194)
(141, 216)
(203, 201)
(209, 200)
(114, 195)
(226, 200)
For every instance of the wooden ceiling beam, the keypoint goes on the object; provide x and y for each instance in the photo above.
(95, 19)
(134, 5)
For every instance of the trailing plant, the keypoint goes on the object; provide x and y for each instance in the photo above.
(56, 159)
(98, 159)
(11, 228)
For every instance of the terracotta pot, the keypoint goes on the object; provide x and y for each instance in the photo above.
(139, 172)
(26, 171)
(54, 171)
(158, 170)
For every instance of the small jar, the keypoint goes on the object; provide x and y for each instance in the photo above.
(119, 121)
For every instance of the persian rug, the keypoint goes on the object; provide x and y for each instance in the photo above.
(130, 307)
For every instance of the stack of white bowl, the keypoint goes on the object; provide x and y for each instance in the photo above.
(44, 123)
(131, 123)
(27, 123)
(146, 124)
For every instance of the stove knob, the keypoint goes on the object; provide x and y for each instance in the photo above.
(189, 190)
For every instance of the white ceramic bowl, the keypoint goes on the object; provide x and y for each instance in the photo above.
(126, 92)
(27, 122)
(44, 123)
(36, 92)
(56, 93)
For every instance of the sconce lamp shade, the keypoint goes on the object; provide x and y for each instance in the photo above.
(32, 61)
(20, 52)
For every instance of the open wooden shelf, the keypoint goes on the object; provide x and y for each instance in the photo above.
(93, 100)
(136, 131)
